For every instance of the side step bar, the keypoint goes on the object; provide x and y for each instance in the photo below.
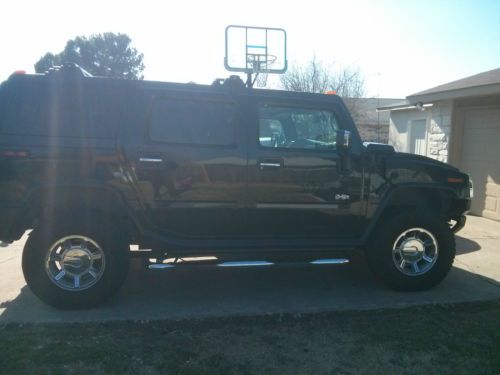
(250, 263)
(330, 261)
(255, 263)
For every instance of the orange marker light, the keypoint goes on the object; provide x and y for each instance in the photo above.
(19, 72)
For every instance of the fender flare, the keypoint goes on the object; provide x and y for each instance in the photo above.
(385, 202)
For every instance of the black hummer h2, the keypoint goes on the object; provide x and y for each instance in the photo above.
(243, 177)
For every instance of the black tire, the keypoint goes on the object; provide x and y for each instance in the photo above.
(383, 264)
(113, 246)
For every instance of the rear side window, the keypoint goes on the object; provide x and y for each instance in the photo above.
(22, 108)
(189, 121)
(39, 107)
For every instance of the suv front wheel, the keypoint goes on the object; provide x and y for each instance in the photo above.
(75, 265)
(412, 251)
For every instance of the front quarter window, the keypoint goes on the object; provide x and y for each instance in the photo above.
(297, 128)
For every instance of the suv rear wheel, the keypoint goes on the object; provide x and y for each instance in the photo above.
(412, 251)
(76, 265)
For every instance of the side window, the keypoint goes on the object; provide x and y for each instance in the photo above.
(199, 122)
(102, 108)
(22, 109)
(296, 128)
(40, 108)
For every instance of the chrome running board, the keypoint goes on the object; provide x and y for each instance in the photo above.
(330, 261)
(160, 266)
(246, 264)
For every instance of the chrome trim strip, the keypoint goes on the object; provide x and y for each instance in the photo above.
(151, 160)
(246, 264)
(330, 261)
(300, 206)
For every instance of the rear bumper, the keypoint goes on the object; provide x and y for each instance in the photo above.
(10, 227)
(460, 223)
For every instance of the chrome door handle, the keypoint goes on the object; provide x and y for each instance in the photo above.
(151, 160)
(263, 165)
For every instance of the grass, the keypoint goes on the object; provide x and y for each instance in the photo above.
(454, 339)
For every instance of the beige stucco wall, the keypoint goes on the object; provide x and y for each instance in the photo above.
(438, 130)
(438, 125)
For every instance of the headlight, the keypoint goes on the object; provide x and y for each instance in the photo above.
(471, 189)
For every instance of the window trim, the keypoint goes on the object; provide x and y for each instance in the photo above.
(191, 97)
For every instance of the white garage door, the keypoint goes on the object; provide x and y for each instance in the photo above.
(481, 159)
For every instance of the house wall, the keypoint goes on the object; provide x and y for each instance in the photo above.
(438, 130)
(399, 126)
(438, 126)
(374, 132)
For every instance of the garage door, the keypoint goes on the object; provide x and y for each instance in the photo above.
(481, 159)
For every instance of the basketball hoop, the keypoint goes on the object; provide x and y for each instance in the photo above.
(258, 62)
(255, 50)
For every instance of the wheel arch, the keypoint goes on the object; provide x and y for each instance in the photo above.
(438, 200)
(47, 203)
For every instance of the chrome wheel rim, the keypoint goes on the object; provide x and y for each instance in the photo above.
(75, 263)
(415, 251)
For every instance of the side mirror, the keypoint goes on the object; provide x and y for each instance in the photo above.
(343, 140)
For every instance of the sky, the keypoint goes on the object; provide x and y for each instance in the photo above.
(400, 47)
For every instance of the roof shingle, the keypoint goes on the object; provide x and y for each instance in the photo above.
(490, 77)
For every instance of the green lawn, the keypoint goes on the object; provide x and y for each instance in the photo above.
(454, 339)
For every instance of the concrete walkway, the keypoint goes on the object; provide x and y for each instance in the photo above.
(179, 294)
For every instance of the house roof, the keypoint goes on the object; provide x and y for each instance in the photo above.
(479, 84)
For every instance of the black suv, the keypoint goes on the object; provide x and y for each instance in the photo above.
(180, 174)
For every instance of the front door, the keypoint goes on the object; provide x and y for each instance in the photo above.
(298, 185)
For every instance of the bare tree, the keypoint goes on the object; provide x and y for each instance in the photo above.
(315, 77)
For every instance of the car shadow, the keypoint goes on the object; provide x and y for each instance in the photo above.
(465, 245)
(188, 293)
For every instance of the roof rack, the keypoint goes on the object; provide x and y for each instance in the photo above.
(68, 68)
(233, 81)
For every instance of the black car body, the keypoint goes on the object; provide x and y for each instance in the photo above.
(195, 170)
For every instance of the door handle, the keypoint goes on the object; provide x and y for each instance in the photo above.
(274, 165)
(150, 160)
(269, 164)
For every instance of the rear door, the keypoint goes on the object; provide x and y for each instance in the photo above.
(298, 185)
(190, 164)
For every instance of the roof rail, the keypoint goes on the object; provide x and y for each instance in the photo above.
(68, 68)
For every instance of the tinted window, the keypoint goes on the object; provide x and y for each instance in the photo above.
(102, 111)
(288, 127)
(193, 122)
(47, 108)
(22, 108)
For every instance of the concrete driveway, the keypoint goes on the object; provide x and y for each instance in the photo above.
(178, 294)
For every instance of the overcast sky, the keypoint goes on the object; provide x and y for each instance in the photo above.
(414, 45)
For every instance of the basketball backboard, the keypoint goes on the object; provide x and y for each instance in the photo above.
(255, 49)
